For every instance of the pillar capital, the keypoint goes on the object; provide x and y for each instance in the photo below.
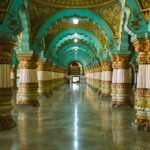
(43, 65)
(6, 47)
(106, 66)
(27, 57)
(27, 60)
(142, 46)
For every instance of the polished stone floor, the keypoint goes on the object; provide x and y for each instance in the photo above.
(74, 118)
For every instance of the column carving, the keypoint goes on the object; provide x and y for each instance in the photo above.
(28, 83)
(123, 86)
(106, 79)
(6, 47)
(142, 93)
(43, 78)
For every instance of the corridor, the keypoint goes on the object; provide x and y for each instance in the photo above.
(74, 118)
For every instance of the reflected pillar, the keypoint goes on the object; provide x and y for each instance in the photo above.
(6, 120)
(142, 93)
(28, 83)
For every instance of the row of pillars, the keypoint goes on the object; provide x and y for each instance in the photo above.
(37, 78)
(113, 79)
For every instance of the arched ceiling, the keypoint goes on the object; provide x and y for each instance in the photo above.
(94, 30)
(47, 25)
(75, 3)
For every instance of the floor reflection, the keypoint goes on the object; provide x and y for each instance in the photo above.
(74, 118)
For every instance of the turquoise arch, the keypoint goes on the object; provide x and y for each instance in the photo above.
(73, 58)
(78, 60)
(81, 37)
(72, 45)
(81, 54)
(71, 32)
(75, 12)
(88, 55)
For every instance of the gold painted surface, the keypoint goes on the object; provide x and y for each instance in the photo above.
(86, 25)
(41, 11)
(75, 3)
(112, 15)
(144, 6)
(4, 6)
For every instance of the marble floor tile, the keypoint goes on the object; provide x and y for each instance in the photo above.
(74, 118)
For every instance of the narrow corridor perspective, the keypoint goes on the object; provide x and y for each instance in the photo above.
(73, 118)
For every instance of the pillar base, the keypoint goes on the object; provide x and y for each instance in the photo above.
(44, 94)
(6, 123)
(30, 103)
(105, 95)
(138, 127)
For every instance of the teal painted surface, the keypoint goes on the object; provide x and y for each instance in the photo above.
(17, 20)
(14, 59)
(73, 46)
(12, 17)
(134, 16)
(75, 12)
(69, 57)
(79, 32)
(78, 53)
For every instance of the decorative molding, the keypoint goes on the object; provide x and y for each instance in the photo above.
(112, 15)
(144, 6)
(75, 3)
(4, 7)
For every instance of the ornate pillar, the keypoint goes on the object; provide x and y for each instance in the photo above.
(43, 78)
(50, 81)
(114, 80)
(142, 94)
(6, 47)
(99, 78)
(135, 68)
(94, 78)
(123, 85)
(28, 80)
(106, 78)
(13, 76)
